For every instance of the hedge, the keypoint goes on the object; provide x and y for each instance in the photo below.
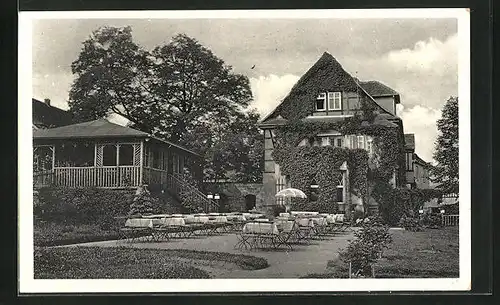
(74, 206)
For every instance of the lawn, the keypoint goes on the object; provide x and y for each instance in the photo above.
(128, 263)
(52, 234)
(432, 253)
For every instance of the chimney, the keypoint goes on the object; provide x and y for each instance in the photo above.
(47, 101)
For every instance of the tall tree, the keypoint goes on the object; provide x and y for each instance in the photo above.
(109, 71)
(180, 91)
(445, 173)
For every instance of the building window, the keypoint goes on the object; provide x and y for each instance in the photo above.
(324, 141)
(340, 142)
(369, 145)
(126, 154)
(361, 142)
(409, 162)
(313, 191)
(340, 188)
(334, 101)
(109, 155)
(321, 101)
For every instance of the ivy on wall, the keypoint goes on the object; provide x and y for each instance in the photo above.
(303, 164)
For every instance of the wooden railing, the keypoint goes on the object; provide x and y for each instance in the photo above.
(207, 204)
(110, 176)
(449, 220)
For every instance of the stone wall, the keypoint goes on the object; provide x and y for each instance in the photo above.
(233, 195)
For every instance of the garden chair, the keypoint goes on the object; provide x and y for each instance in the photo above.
(173, 227)
(259, 235)
(320, 228)
(305, 229)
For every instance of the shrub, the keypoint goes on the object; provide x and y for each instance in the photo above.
(72, 206)
(410, 224)
(357, 215)
(370, 242)
(361, 256)
(376, 233)
(431, 221)
(143, 202)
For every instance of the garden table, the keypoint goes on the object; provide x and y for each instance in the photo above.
(176, 226)
(136, 228)
(157, 216)
(303, 213)
(262, 234)
(217, 222)
(237, 221)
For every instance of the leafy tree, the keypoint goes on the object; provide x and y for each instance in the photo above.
(179, 91)
(445, 173)
(109, 74)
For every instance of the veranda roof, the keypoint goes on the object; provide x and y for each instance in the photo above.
(100, 128)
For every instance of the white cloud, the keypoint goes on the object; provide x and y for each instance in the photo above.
(422, 122)
(431, 56)
(268, 91)
(53, 86)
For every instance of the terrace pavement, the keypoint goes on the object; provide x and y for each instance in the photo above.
(302, 260)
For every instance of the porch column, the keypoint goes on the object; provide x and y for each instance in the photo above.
(53, 148)
(141, 164)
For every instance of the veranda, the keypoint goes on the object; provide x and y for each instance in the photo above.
(107, 155)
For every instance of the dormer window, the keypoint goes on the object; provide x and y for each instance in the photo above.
(321, 102)
(334, 101)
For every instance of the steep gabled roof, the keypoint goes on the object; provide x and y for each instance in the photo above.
(326, 74)
(378, 89)
(100, 128)
(45, 115)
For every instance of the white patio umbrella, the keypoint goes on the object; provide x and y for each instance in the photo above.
(290, 193)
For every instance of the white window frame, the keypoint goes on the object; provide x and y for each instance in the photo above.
(322, 97)
(369, 145)
(336, 99)
(360, 140)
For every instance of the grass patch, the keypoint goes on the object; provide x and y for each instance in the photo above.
(110, 263)
(129, 263)
(245, 262)
(432, 253)
(52, 234)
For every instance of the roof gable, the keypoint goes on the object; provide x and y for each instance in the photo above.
(376, 88)
(44, 115)
(326, 74)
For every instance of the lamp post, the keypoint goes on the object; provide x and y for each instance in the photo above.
(210, 197)
(217, 197)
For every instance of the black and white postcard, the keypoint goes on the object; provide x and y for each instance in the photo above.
(244, 151)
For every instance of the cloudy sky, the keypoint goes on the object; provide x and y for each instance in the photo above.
(416, 57)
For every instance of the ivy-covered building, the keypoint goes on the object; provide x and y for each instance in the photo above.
(417, 170)
(336, 138)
